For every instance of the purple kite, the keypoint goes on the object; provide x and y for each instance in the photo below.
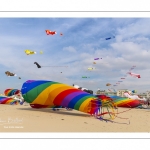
(97, 58)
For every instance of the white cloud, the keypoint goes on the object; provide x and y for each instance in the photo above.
(70, 49)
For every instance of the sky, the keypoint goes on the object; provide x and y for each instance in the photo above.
(83, 40)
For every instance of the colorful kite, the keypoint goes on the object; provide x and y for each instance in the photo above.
(94, 62)
(56, 94)
(134, 75)
(48, 32)
(134, 91)
(11, 92)
(49, 94)
(122, 101)
(8, 100)
(29, 52)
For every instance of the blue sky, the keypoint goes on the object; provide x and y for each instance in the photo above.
(83, 40)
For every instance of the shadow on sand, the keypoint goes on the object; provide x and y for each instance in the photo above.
(60, 111)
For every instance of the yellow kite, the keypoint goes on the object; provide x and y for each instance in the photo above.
(28, 52)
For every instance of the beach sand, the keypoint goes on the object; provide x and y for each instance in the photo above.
(23, 118)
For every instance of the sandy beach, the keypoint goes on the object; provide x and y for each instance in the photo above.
(23, 118)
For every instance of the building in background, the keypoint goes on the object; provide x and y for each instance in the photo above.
(104, 92)
(120, 93)
(144, 95)
(101, 92)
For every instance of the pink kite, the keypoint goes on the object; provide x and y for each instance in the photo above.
(134, 75)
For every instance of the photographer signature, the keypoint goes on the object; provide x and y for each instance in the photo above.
(10, 120)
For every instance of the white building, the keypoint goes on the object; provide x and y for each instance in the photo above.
(121, 92)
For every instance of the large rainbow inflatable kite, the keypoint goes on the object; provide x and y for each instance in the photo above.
(50, 94)
(44, 94)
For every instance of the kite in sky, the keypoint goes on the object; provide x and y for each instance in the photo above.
(28, 52)
(97, 58)
(94, 62)
(110, 38)
(19, 78)
(132, 68)
(134, 75)
(90, 68)
(37, 65)
(85, 77)
(41, 52)
(10, 74)
(108, 84)
(61, 34)
(134, 91)
(48, 32)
